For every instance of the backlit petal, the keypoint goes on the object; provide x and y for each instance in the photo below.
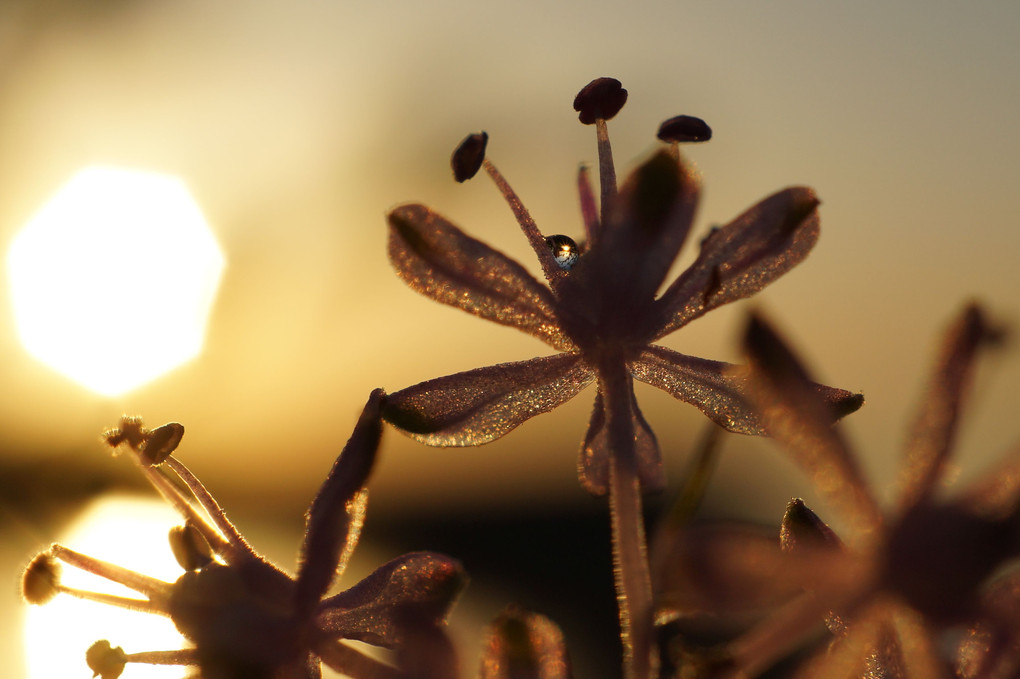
(643, 233)
(440, 261)
(795, 413)
(934, 428)
(419, 585)
(593, 462)
(478, 406)
(711, 386)
(741, 258)
(336, 514)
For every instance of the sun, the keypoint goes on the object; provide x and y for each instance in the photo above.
(112, 281)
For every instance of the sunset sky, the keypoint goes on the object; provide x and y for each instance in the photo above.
(296, 126)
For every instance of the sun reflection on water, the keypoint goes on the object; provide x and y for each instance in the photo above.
(131, 532)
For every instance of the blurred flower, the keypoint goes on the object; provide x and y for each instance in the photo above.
(600, 308)
(245, 617)
(904, 578)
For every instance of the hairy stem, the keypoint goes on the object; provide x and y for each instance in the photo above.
(607, 170)
(630, 556)
(550, 268)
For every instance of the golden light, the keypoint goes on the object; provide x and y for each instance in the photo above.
(113, 279)
(130, 532)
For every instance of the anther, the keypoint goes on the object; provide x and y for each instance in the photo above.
(467, 158)
(684, 129)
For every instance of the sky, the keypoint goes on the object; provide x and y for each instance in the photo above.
(296, 126)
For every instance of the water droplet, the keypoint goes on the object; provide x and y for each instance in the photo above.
(565, 251)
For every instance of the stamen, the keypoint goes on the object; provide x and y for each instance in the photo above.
(183, 656)
(172, 494)
(683, 129)
(467, 158)
(108, 662)
(687, 129)
(607, 170)
(140, 605)
(161, 442)
(597, 102)
(550, 268)
(212, 507)
(190, 547)
(589, 211)
(155, 589)
(41, 580)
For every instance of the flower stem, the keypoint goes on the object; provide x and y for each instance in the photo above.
(184, 656)
(140, 605)
(630, 555)
(156, 590)
(550, 268)
(607, 170)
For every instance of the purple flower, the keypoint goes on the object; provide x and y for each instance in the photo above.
(243, 615)
(601, 308)
(904, 576)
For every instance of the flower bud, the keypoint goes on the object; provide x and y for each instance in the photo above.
(467, 158)
(802, 528)
(602, 98)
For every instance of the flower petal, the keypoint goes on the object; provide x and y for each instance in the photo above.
(478, 406)
(440, 261)
(524, 645)
(997, 493)
(720, 569)
(593, 462)
(420, 585)
(336, 514)
(794, 412)
(720, 390)
(934, 428)
(711, 386)
(744, 256)
(643, 232)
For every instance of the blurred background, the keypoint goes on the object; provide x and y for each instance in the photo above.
(296, 126)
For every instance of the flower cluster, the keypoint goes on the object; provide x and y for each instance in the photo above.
(921, 591)
(927, 568)
(244, 616)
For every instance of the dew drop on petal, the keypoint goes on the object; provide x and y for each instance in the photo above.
(565, 251)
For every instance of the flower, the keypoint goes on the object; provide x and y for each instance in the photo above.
(244, 616)
(600, 309)
(906, 576)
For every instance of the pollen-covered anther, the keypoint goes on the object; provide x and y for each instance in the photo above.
(41, 580)
(160, 443)
(684, 129)
(106, 661)
(468, 156)
(190, 547)
(601, 99)
(131, 431)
